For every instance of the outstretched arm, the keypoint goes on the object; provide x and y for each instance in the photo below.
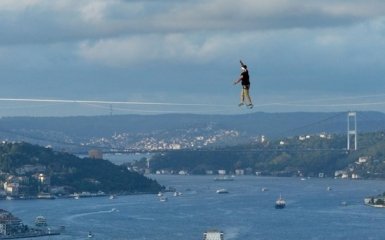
(242, 64)
(237, 81)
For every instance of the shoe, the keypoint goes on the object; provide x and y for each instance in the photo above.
(241, 104)
(250, 106)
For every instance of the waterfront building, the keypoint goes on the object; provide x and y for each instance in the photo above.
(12, 227)
(10, 224)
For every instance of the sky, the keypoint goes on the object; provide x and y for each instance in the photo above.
(97, 57)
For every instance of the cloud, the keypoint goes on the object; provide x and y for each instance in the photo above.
(318, 44)
(156, 47)
(34, 21)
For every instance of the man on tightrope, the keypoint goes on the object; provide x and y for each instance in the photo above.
(245, 81)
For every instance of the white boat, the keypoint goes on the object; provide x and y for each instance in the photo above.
(45, 196)
(90, 235)
(163, 199)
(213, 235)
(377, 202)
(224, 178)
(177, 194)
(222, 191)
(40, 221)
(280, 203)
(264, 189)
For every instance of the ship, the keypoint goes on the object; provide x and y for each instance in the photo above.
(377, 202)
(224, 178)
(222, 191)
(280, 203)
(40, 221)
(213, 235)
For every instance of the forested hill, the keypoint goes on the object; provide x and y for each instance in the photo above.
(306, 156)
(24, 161)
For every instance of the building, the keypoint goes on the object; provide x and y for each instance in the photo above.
(9, 224)
(11, 186)
(95, 154)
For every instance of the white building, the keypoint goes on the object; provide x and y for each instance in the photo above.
(355, 176)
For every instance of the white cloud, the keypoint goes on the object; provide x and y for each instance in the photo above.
(73, 20)
(154, 47)
(93, 11)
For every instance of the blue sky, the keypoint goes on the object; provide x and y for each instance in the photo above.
(160, 56)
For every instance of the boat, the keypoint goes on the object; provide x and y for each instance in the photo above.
(45, 196)
(90, 235)
(377, 202)
(177, 194)
(213, 235)
(224, 178)
(264, 189)
(163, 199)
(222, 191)
(9, 198)
(112, 197)
(280, 203)
(40, 221)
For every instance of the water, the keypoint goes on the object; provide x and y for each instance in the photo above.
(246, 212)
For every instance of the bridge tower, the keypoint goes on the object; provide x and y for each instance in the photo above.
(352, 130)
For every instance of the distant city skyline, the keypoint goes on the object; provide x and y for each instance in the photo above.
(97, 57)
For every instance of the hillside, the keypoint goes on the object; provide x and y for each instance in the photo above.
(296, 156)
(32, 169)
(176, 131)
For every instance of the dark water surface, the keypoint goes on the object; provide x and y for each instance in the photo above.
(246, 212)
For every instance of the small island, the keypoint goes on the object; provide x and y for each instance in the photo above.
(29, 171)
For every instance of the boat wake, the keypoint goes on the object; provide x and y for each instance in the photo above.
(79, 215)
(231, 233)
